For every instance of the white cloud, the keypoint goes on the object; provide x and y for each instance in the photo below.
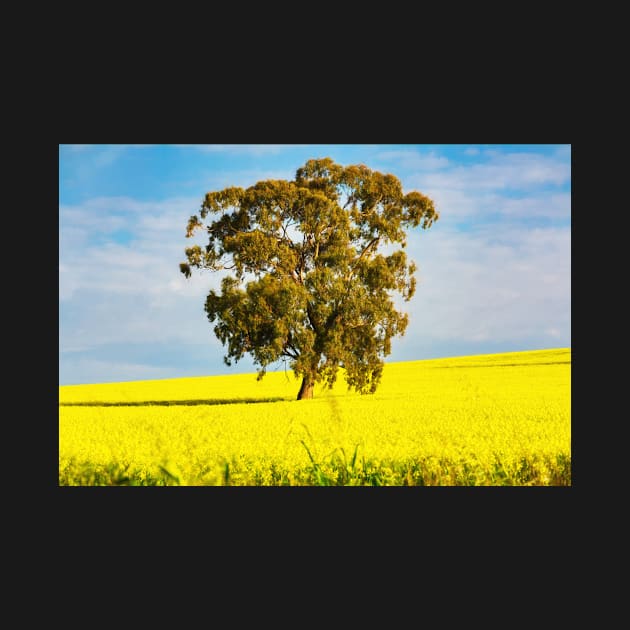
(414, 160)
(92, 221)
(451, 202)
(108, 155)
(515, 186)
(500, 172)
(498, 283)
(556, 206)
(112, 292)
(456, 203)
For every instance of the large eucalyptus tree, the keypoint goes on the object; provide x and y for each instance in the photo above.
(309, 281)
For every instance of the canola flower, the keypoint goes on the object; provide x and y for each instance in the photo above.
(501, 419)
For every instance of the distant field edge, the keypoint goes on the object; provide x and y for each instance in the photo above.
(167, 403)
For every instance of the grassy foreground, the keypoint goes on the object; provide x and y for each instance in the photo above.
(501, 419)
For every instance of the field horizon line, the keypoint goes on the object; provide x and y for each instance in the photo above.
(175, 403)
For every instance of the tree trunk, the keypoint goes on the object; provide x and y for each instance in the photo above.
(306, 390)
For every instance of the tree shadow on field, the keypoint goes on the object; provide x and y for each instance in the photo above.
(175, 403)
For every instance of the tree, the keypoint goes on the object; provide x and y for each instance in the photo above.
(310, 284)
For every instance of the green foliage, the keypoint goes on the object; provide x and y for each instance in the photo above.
(309, 284)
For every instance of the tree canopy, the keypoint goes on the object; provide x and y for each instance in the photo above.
(308, 280)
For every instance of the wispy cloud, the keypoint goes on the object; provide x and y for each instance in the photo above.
(128, 291)
(556, 206)
(415, 160)
(500, 172)
(516, 187)
(458, 204)
(492, 283)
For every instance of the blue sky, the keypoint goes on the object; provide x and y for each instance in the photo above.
(494, 273)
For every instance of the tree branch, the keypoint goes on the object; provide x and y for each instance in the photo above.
(288, 353)
(311, 319)
(374, 241)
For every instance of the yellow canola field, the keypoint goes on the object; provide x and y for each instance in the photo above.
(501, 419)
